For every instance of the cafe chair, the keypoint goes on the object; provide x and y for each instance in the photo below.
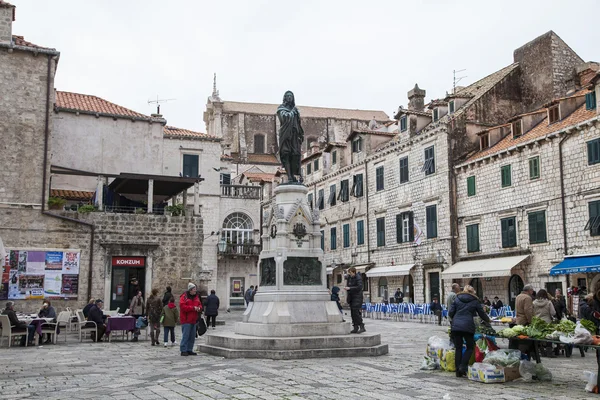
(50, 327)
(9, 331)
(63, 320)
(85, 326)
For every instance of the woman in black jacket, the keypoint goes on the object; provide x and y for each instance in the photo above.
(212, 309)
(462, 311)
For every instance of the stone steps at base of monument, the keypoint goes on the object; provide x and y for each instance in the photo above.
(292, 330)
(372, 351)
(234, 341)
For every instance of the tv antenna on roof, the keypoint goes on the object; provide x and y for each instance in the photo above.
(456, 80)
(158, 102)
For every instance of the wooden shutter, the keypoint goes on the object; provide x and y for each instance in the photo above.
(411, 227)
(398, 228)
(471, 186)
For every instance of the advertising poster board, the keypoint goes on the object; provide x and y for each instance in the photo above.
(40, 273)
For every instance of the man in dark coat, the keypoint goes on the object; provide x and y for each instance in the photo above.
(212, 309)
(436, 309)
(96, 315)
(462, 311)
(399, 296)
(291, 136)
(560, 305)
(497, 303)
(248, 295)
(354, 297)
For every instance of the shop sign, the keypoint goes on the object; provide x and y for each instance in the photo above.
(129, 261)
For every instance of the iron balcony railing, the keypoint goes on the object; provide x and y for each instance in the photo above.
(241, 191)
(233, 249)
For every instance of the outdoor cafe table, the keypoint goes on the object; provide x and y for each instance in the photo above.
(122, 324)
(37, 322)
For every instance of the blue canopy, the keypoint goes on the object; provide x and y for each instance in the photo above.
(577, 265)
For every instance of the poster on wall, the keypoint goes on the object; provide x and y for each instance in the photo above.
(237, 286)
(39, 273)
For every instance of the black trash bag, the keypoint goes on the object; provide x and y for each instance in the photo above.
(201, 326)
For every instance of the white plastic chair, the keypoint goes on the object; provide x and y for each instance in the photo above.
(63, 320)
(7, 332)
(85, 326)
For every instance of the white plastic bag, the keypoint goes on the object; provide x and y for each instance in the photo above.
(582, 335)
(566, 339)
(527, 370)
(592, 378)
(429, 364)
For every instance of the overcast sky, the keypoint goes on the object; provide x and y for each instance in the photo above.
(347, 54)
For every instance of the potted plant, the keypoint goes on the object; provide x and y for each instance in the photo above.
(56, 203)
(176, 210)
(86, 209)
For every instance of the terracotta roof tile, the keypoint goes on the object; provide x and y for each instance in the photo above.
(259, 176)
(173, 131)
(369, 132)
(257, 158)
(540, 130)
(67, 101)
(72, 194)
(20, 41)
(305, 111)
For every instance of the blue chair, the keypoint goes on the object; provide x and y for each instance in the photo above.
(508, 312)
(377, 309)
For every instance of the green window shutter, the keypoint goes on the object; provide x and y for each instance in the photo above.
(541, 223)
(534, 168)
(360, 232)
(590, 101)
(431, 216)
(398, 228)
(593, 151)
(504, 227)
(537, 227)
(471, 186)
(505, 174)
(473, 238)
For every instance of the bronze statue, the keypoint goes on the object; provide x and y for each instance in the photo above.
(291, 136)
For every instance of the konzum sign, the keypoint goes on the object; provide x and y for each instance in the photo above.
(129, 261)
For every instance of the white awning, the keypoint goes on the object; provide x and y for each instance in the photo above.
(485, 268)
(392, 270)
(329, 270)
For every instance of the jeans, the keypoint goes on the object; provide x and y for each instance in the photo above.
(356, 314)
(168, 329)
(214, 320)
(30, 334)
(188, 337)
(462, 360)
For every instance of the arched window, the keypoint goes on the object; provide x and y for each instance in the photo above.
(476, 283)
(237, 229)
(259, 144)
(383, 288)
(515, 287)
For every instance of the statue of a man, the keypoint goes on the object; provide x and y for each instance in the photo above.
(291, 136)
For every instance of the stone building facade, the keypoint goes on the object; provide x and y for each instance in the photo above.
(530, 190)
(398, 192)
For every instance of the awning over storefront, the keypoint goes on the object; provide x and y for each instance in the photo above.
(577, 264)
(485, 268)
(392, 270)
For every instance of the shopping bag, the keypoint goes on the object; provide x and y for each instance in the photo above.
(201, 326)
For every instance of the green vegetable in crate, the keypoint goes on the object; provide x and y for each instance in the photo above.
(589, 325)
(518, 329)
(507, 333)
(538, 329)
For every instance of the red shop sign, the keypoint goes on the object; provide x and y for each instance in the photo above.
(129, 261)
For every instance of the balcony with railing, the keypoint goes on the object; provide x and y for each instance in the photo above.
(241, 191)
(235, 250)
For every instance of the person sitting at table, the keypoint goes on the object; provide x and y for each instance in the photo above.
(86, 309)
(19, 326)
(497, 303)
(47, 311)
(96, 315)
(436, 309)
(486, 301)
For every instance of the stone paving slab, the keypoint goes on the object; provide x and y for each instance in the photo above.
(125, 370)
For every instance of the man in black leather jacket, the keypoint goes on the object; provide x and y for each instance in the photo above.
(354, 289)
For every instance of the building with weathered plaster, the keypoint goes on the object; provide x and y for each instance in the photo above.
(529, 197)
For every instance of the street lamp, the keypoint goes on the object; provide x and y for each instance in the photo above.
(222, 245)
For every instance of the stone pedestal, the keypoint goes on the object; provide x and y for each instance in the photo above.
(292, 315)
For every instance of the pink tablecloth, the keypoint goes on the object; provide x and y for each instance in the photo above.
(120, 324)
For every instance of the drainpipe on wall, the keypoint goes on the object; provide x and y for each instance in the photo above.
(562, 198)
(368, 237)
(44, 166)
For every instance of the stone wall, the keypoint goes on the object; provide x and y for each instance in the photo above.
(6, 18)
(547, 64)
(172, 246)
(24, 76)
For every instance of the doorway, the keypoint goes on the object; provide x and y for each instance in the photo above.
(552, 286)
(407, 288)
(121, 288)
(476, 283)
(236, 292)
(434, 285)
(515, 287)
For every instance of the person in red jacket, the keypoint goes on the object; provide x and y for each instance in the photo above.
(190, 306)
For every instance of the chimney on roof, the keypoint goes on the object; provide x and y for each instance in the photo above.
(7, 16)
(416, 99)
(585, 72)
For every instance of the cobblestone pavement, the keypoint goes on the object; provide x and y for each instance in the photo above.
(121, 370)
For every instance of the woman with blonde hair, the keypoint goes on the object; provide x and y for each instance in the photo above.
(462, 311)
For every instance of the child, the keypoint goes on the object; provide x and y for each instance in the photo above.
(336, 297)
(170, 318)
